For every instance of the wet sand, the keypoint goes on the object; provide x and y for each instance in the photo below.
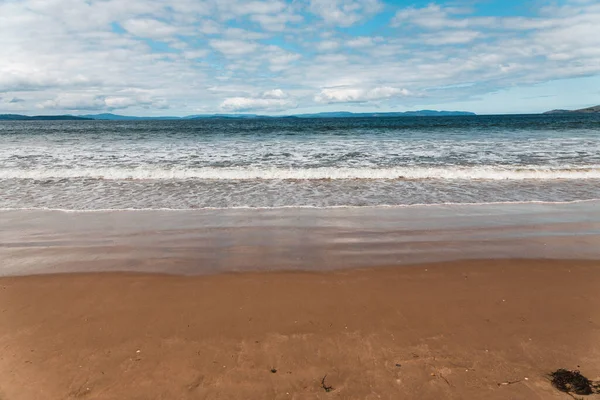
(200, 242)
(455, 330)
(263, 304)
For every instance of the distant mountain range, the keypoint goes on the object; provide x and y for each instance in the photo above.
(589, 110)
(340, 114)
(114, 117)
(421, 113)
(337, 114)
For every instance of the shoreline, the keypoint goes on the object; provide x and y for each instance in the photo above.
(481, 264)
(451, 330)
(307, 207)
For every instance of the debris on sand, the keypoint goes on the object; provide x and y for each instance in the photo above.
(507, 383)
(324, 386)
(571, 382)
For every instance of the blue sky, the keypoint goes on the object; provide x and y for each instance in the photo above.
(183, 57)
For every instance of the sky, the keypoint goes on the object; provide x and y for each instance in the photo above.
(276, 57)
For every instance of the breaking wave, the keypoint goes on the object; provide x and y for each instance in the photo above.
(228, 174)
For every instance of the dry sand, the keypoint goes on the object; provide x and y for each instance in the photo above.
(437, 331)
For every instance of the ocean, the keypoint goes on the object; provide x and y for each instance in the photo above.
(210, 196)
(290, 162)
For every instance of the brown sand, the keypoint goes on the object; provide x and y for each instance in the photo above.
(446, 331)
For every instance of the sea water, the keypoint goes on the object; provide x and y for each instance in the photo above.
(292, 162)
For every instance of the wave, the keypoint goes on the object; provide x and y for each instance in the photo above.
(230, 174)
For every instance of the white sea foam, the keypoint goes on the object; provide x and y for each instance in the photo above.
(406, 173)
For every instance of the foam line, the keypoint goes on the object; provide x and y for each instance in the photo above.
(407, 173)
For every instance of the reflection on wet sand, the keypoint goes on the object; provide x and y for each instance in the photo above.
(212, 241)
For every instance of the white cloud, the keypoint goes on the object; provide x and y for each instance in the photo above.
(74, 102)
(449, 37)
(272, 100)
(275, 94)
(193, 54)
(91, 102)
(276, 22)
(209, 27)
(233, 48)
(243, 34)
(327, 45)
(435, 16)
(147, 54)
(358, 95)
(21, 77)
(344, 12)
(278, 59)
(362, 41)
(150, 28)
(259, 7)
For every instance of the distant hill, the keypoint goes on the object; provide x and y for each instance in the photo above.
(115, 117)
(589, 110)
(17, 117)
(558, 112)
(223, 116)
(422, 113)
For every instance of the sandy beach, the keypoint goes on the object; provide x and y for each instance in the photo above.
(461, 330)
(299, 200)
(448, 302)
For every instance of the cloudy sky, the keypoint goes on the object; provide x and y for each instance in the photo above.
(182, 57)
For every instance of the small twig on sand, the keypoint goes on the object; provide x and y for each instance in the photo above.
(509, 382)
(573, 396)
(445, 380)
(324, 386)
